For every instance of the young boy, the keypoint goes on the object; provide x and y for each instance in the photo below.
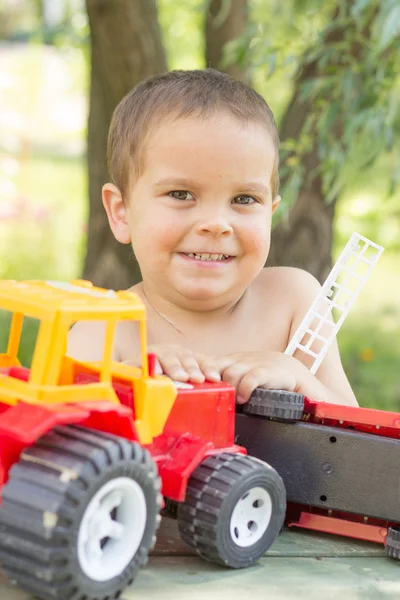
(194, 162)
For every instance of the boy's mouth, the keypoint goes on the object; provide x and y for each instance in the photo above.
(207, 256)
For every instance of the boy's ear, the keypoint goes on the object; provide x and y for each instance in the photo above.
(116, 213)
(275, 203)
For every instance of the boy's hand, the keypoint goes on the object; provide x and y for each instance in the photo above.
(248, 370)
(182, 364)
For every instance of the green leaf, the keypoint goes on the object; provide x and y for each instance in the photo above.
(334, 191)
(389, 138)
(348, 88)
(328, 118)
(390, 28)
(394, 181)
(360, 6)
(222, 14)
(272, 62)
(292, 187)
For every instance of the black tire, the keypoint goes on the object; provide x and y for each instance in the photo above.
(206, 519)
(171, 507)
(48, 526)
(392, 543)
(278, 405)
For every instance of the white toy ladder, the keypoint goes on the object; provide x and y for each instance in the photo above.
(335, 299)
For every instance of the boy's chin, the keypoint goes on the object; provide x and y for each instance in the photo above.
(205, 297)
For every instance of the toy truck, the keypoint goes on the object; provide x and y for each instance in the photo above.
(340, 464)
(88, 450)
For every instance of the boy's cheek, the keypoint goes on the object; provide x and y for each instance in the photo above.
(259, 239)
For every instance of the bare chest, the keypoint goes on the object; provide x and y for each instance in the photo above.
(256, 334)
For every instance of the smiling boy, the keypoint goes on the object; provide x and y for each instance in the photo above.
(194, 162)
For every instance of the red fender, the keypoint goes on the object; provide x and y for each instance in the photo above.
(21, 425)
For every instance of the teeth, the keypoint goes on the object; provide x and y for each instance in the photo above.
(206, 256)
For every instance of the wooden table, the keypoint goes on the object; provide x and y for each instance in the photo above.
(300, 565)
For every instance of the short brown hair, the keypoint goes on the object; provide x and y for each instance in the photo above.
(181, 94)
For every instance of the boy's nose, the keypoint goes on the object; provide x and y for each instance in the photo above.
(214, 225)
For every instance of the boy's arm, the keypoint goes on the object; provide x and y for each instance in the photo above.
(86, 341)
(280, 371)
(330, 383)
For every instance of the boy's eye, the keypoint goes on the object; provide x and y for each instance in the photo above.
(181, 195)
(245, 200)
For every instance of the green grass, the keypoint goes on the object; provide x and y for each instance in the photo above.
(28, 338)
(46, 238)
(371, 362)
(43, 93)
(368, 340)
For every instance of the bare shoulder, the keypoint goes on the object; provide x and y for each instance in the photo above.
(287, 282)
(290, 290)
(86, 340)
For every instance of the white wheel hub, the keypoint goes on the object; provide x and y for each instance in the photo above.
(251, 517)
(111, 529)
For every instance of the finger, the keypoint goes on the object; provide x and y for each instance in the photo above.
(158, 368)
(234, 373)
(227, 360)
(136, 361)
(208, 366)
(270, 378)
(171, 365)
(192, 368)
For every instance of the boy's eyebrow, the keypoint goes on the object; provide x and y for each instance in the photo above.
(179, 181)
(250, 186)
(256, 187)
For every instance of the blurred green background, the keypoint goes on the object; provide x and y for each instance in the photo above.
(44, 75)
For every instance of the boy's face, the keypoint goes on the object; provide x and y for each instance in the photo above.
(205, 190)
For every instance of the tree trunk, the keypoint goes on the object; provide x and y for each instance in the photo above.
(226, 20)
(126, 48)
(304, 239)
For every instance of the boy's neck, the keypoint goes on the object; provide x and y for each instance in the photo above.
(184, 314)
